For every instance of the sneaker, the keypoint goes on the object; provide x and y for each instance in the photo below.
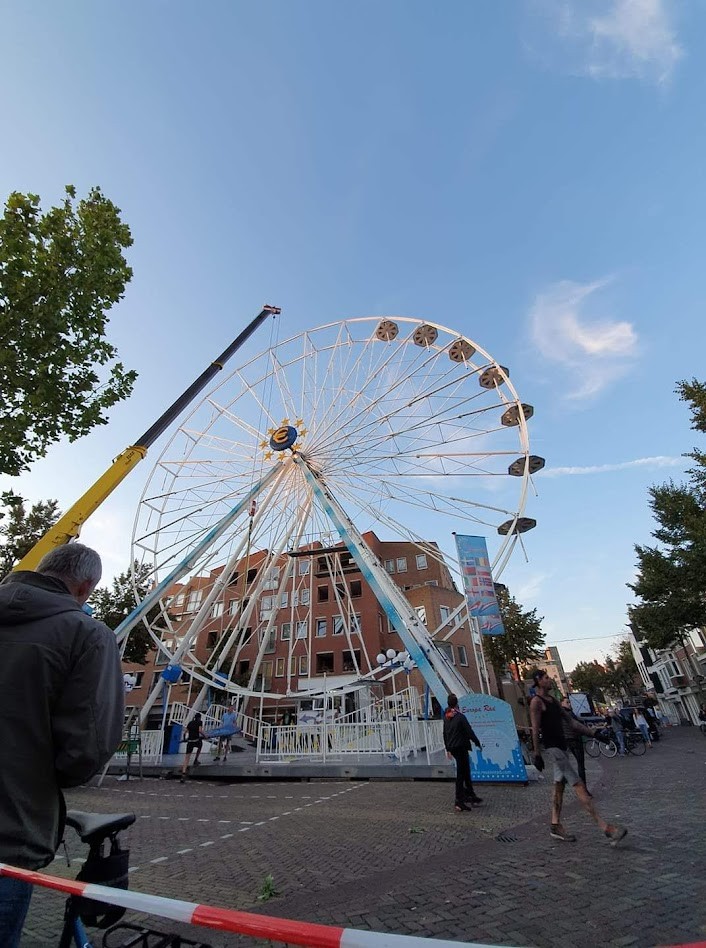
(476, 801)
(215, 759)
(557, 831)
(197, 763)
(182, 779)
(616, 833)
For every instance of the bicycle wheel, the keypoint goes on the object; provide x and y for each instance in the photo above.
(610, 749)
(593, 747)
(636, 746)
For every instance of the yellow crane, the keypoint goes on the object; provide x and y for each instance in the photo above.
(68, 527)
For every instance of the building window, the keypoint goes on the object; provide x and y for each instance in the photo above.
(271, 641)
(431, 582)
(422, 561)
(320, 628)
(266, 673)
(233, 606)
(266, 604)
(155, 678)
(447, 649)
(302, 629)
(351, 660)
(356, 589)
(295, 598)
(279, 668)
(390, 566)
(422, 613)
(138, 676)
(272, 578)
(216, 610)
(303, 664)
(304, 567)
(286, 631)
(462, 655)
(444, 612)
(304, 597)
(356, 628)
(324, 663)
(322, 593)
(243, 667)
(284, 600)
(178, 601)
(401, 564)
(212, 639)
(194, 600)
(338, 625)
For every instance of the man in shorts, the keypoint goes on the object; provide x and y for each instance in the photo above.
(546, 715)
(194, 742)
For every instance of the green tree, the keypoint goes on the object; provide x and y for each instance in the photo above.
(591, 678)
(523, 639)
(115, 603)
(20, 528)
(670, 582)
(60, 272)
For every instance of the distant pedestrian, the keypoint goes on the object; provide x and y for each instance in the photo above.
(194, 742)
(574, 740)
(615, 723)
(227, 730)
(547, 720)
(458, 736)
(642, 726)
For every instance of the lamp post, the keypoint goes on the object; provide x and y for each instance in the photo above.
(395, 660)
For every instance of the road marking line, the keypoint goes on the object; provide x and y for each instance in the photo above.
(180, 852)
(159, 859)
(208, 843)
(226, 836)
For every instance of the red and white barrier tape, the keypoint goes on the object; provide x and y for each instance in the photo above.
(267, 927)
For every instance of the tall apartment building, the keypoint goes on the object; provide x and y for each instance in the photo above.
(316, 620)
(675, 677)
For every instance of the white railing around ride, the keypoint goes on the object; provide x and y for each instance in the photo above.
(399, 739)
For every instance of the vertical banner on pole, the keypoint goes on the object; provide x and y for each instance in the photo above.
(500, 758)
(478, 583)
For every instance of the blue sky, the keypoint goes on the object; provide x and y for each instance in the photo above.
(529, 173)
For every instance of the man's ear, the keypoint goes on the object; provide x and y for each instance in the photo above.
(83, 591)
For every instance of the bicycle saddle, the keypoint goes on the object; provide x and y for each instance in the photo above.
(94, 826)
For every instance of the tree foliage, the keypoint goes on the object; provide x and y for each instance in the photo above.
(592, 678)
(60, 273)
(670, 581)
(21, 528)
(115, 603)
(523, 639)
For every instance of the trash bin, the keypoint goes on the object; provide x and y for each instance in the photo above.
(172, 738)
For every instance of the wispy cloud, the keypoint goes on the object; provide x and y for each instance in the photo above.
(595, 351)
(528, 591)
(658, 461)
(616, 39)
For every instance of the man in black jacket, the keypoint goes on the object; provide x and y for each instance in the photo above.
(61, 710)
(458, 736)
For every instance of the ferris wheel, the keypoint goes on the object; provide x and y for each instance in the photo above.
(393, 425)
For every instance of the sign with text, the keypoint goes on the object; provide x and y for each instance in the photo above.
(499, 759)
(478, 583)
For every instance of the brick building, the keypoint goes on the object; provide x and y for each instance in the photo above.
(314, 619)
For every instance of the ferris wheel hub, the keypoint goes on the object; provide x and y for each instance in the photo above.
(284, 437)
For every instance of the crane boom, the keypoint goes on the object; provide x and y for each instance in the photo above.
(69, 525)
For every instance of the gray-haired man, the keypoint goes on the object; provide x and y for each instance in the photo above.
(61, 710)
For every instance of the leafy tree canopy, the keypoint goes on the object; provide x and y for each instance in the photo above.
(60, 273)
(523, 639)
(21, 528)
(591, 678)
(115, 603)
(670, 582)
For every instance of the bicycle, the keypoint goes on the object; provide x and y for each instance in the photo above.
(111, 869)
(635, 743)
(606, 746)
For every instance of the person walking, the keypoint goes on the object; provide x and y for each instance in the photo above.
(458, 737)
(615, 722)
(642, 726)
(227, 730)
(194, 742)
(574, 740)
(61, 711)
(547, 720)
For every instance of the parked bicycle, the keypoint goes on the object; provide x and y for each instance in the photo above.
(634, 744)
(108, 864)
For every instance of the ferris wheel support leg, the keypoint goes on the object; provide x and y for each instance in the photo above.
(402, 616)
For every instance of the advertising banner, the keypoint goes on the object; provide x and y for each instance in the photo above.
(478, 583)
(499, 759)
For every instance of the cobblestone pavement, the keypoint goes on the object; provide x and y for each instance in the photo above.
(395, 857)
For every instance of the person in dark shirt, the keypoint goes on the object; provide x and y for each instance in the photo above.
(458, 736)
(547, 719)
(194, 742)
